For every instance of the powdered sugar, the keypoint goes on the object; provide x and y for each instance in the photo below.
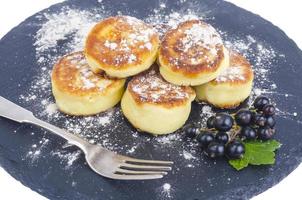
(110, 45)
(66, 158)
(261, 56)
(79, 74)
(168, 139)
(165, 191)
(194, 43)
(231, 74)
(165, 22)
(201, 34)
(130, 33)
(187, 155)
(60, 26)
(36, 149)
(152, 87)
(51, 108)
(131, 58)
(85, 73)
(148, 45)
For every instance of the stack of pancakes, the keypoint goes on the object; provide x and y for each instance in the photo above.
(158, 96)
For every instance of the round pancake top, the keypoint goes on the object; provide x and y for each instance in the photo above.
(150, 87)
(239, 71)
(72, 74)
(121, 42)
(192, 47)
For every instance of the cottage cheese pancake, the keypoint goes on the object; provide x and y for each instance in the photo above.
(154, 105)
(122, 46)
(192, 54)
(78, 91)
(231, 87)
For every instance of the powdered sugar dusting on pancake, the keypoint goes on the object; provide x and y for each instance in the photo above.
(120, 40)
(151, 87)
(201, 34)
(231, 74)
(72, 71)
(192, 47)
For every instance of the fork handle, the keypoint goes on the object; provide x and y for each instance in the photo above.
(16, 113)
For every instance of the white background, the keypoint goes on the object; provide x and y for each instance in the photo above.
(285, 14)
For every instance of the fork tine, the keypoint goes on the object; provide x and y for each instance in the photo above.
(131, 172)
(149, 161)
(136, 177)
(146, 167)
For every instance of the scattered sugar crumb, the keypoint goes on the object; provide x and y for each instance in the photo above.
(67, 158)
(166, 186)
(187, 155)
(168, 139)
(110, 45)
(166, 190)
(73, 183)
(36, 149)
(162, 5)
(190, 166)
(51, 108)
(133, 148)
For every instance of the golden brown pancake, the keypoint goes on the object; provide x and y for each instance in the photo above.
(192, 54)
(121, 46)
(78, 91)
(154, 105)
(231, 87)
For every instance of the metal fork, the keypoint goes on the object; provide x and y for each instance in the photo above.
(104, 162)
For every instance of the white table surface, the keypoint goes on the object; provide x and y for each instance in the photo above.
(285, 14)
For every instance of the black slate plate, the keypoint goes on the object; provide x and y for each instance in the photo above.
(208, 179)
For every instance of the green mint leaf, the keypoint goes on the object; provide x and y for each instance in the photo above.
(257, 153)
(239, 163)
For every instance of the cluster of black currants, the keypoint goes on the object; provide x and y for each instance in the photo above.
(259, 121)
(215, 140)
(224, 133)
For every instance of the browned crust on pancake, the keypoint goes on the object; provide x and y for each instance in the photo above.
(117, 58)
(172, 48)
(161, 93)
(65, 76)
(237, 60)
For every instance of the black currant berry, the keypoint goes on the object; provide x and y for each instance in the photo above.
(259, 120)
(215, 150)
(265, 133)
(248, 133)
(269, 110)
(192, 132)
(260, 102)
(244, 117)
(270, 121)
(222, 137)
(205, 138)
(235, 150)
(210, 122)
(223, 122)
